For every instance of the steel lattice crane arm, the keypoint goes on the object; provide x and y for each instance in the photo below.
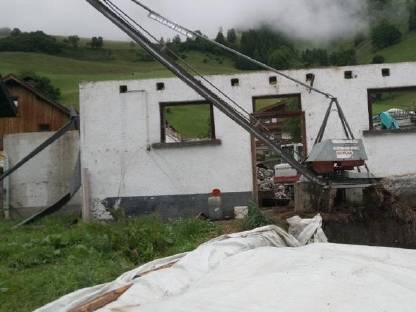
(253, 128)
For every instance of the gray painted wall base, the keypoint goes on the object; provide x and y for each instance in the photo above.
(174, 206)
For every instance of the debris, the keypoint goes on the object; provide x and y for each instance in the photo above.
(241, 212)
(265, 179)
(103, 300)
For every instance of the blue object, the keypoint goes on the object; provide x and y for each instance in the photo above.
(388, 122)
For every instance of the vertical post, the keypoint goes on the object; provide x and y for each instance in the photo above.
(86, 195)
(6, 190)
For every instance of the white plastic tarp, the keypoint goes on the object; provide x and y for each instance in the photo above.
(246, 272)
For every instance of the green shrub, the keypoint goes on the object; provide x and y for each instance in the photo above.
(255, 218)
(378, 59)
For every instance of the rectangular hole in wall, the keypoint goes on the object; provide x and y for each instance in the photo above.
(348, 74)
(44, 127)
(283, 117)
(273, 80)
(235, 82)
(392, 108)
(187, 122)
(385, 72)
(123, 89)
(310, 77)
(160, 86)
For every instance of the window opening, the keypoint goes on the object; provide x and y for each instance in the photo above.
(187, 122)
(392, 109)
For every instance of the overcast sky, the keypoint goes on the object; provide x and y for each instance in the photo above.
(316, 19)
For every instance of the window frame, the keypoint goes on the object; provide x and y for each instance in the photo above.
(163, 105)
(370, 106)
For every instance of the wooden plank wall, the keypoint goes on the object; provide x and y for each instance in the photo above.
(32, 112)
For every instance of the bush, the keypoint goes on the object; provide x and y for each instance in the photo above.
(384, 35)
(41, 84)
(36, 41)
(378, 59)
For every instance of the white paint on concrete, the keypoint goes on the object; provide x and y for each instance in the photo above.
(45, 178)
(116, 132)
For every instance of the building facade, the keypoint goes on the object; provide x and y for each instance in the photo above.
(132, 166)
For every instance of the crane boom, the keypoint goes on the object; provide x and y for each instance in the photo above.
(254, 129)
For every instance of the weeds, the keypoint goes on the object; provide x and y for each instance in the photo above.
(41, 262)
(255, 218)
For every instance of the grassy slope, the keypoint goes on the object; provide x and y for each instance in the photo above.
(42, 262)
(405, 51)
(67, 73)
(405, 100)
(191, 121)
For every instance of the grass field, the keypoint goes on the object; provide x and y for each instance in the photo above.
(405, 51)
(42, 262)
(405, 100)
(67, 73)
(191, 121)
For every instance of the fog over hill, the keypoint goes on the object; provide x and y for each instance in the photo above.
(306, 19)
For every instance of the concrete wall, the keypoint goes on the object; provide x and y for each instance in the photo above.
(117, 129)
(43, 180)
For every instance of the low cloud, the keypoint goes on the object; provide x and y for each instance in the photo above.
(317, 20)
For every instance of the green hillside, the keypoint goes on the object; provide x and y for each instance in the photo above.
(404, 51)
(66, 73)
(118, 60)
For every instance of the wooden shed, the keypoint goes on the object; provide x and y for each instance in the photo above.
(34, 112)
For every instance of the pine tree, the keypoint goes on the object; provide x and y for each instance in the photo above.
(220, 38)
(232, 36)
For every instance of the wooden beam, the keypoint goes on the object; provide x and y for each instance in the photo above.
(112, 296)
(103, 300)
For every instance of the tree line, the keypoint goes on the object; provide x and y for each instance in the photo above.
(278, 50)
(37, 41)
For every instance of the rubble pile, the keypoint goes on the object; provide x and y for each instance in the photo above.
(265, 179)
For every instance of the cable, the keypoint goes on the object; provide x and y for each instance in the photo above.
(248, 58)
(200, 75)
(249, 118)
(120, 12)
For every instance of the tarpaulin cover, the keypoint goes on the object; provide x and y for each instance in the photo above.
(248, 272)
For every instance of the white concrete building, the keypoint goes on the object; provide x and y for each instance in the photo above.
(129, 168)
